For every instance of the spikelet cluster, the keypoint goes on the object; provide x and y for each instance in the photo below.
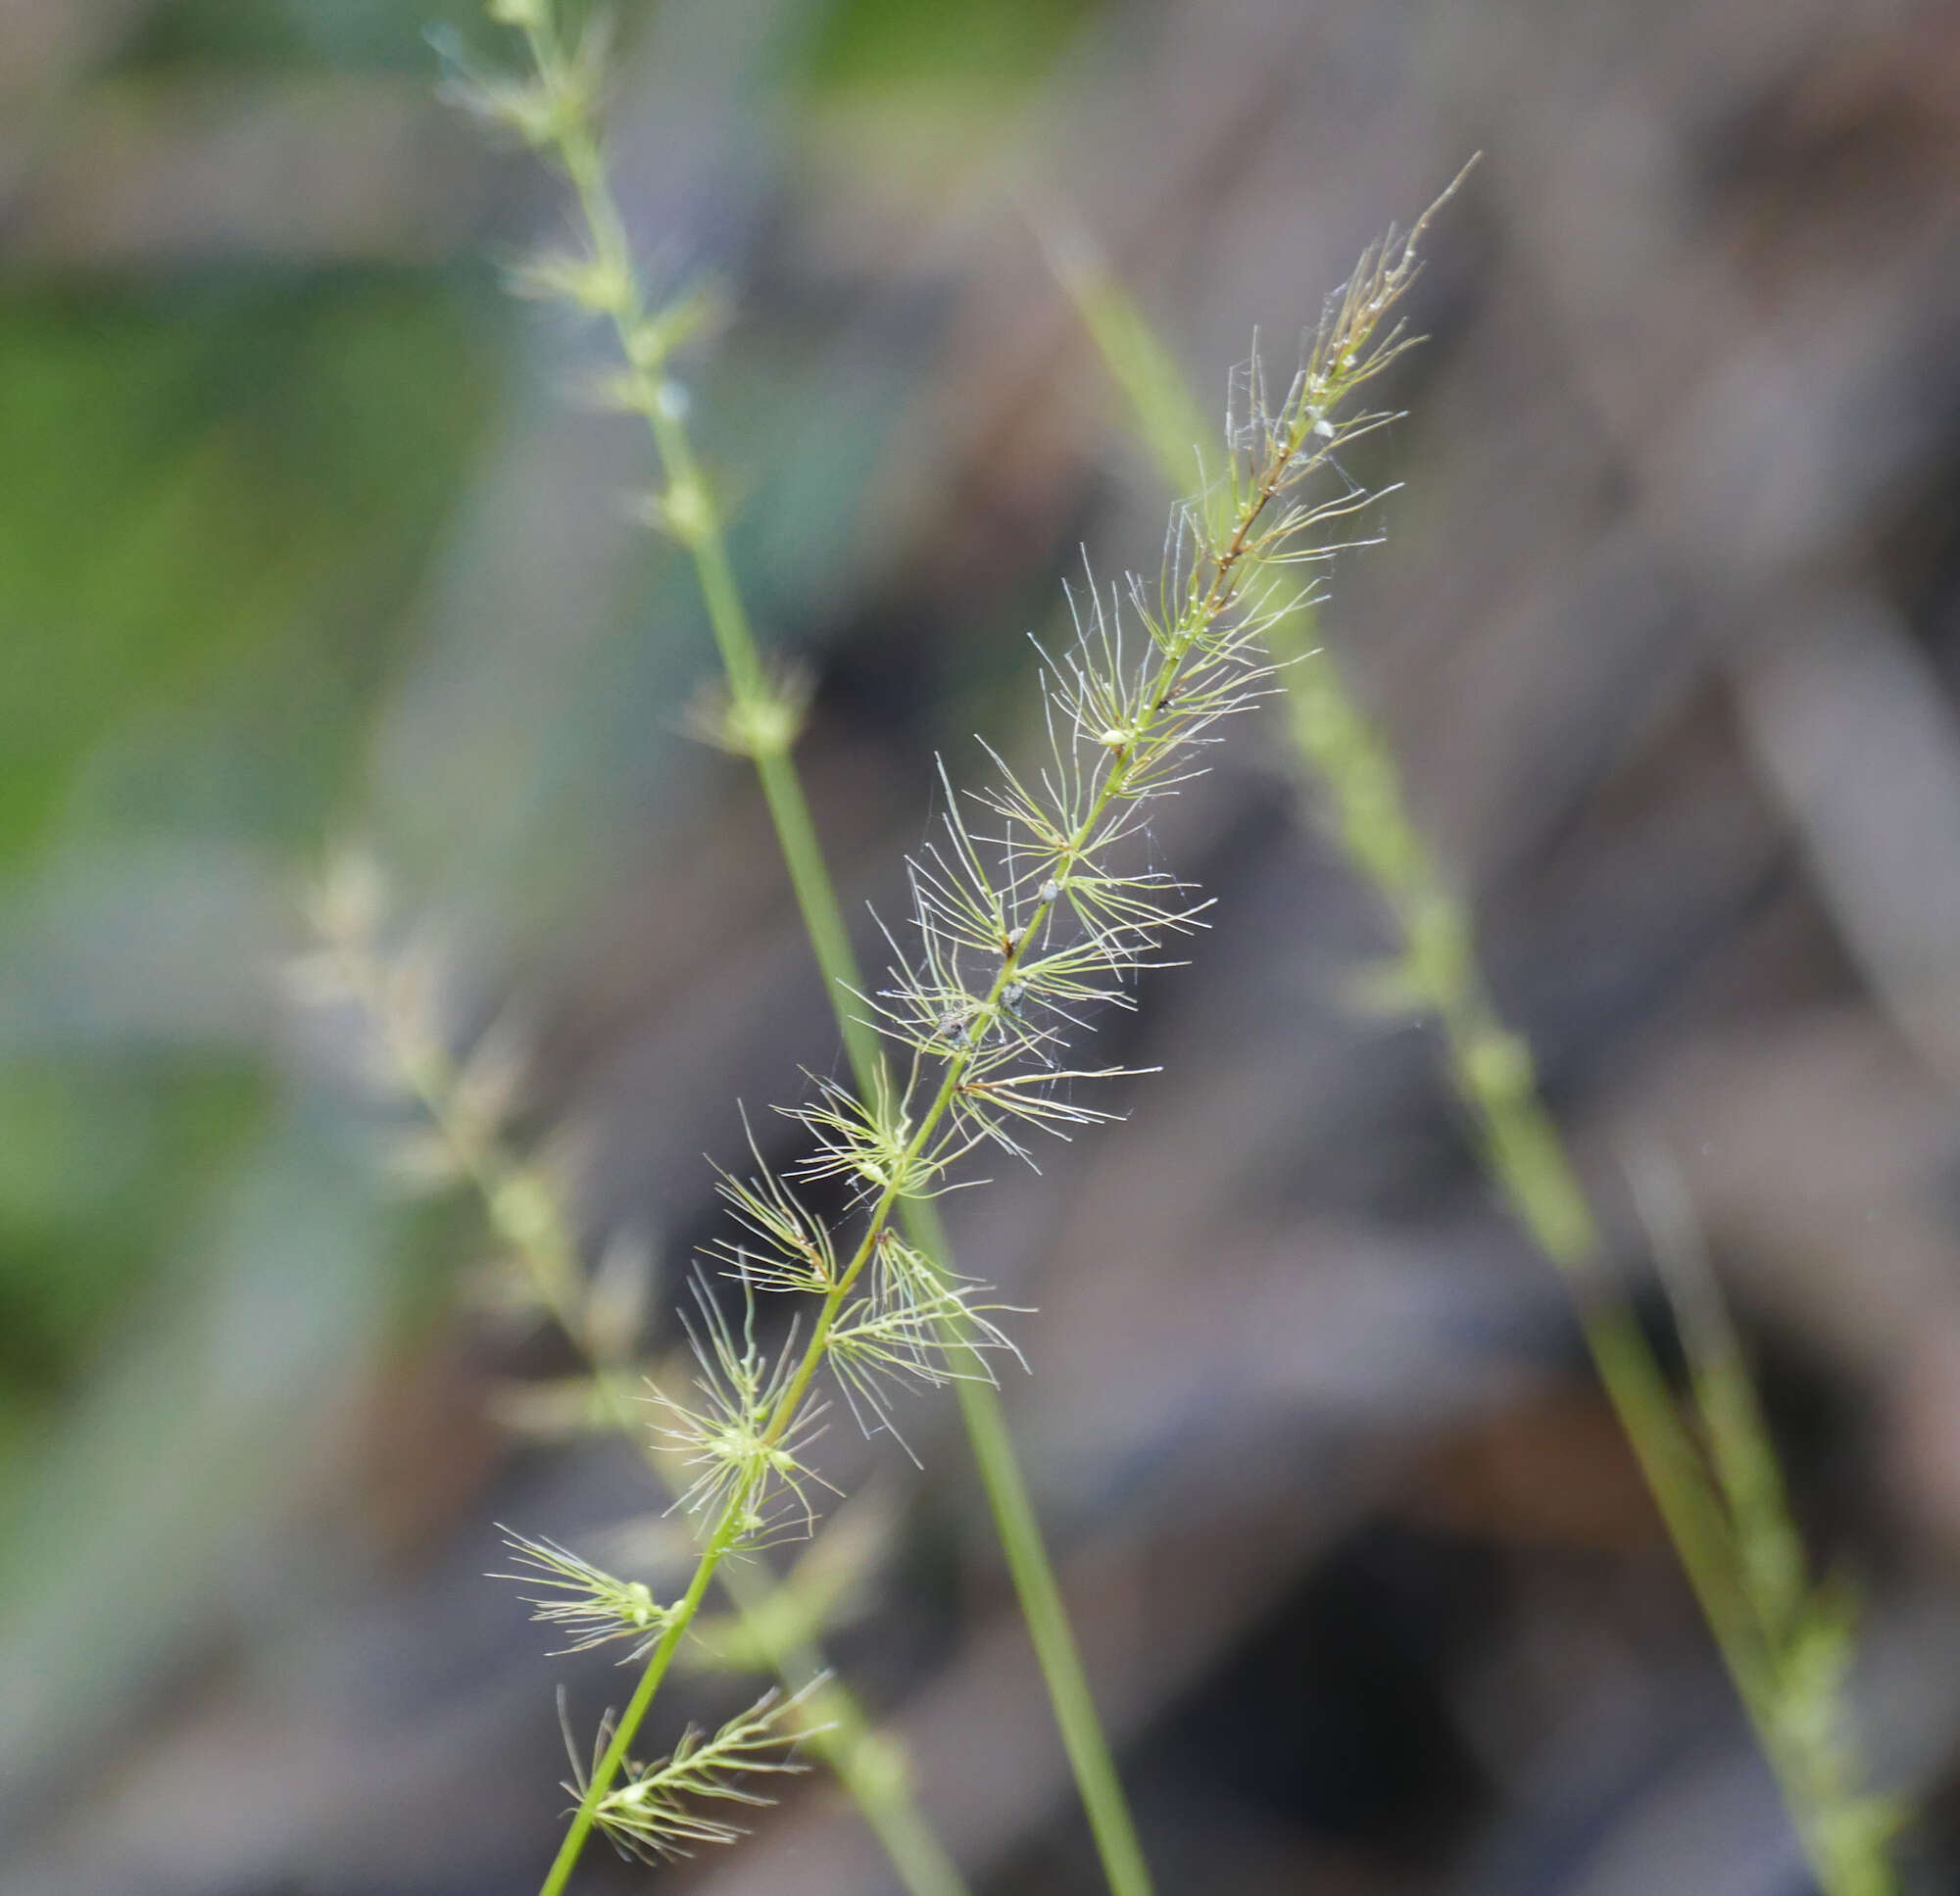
(592, 1606)
(1034, 905)
(1031, 905)
(660, 1811)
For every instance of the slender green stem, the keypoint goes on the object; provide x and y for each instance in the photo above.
(697, 523)
(1054, 1639)
(1492, 1072)
(817, 897)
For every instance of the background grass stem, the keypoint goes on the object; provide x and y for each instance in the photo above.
(1717, 1487)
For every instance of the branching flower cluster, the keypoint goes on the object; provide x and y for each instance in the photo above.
(1035, 906)
(1027, 911)
(593, 1607)
(657, 1813)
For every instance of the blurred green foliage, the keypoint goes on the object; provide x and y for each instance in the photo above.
(100, 1166)
(955, 44)
(374, 34)
(221, 484)
(212, 505)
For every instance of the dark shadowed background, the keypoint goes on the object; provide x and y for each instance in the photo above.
(303, 535)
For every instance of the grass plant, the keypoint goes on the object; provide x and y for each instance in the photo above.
(1786, 1641)
(1016, 931)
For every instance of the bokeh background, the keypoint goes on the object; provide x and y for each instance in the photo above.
(304, 535)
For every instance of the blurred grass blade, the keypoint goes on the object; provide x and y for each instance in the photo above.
(1722, 1496)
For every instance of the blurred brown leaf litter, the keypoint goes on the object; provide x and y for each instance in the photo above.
(302, 538)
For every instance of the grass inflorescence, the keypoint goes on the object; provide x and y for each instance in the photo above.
(1035, 906)
(1035, 901)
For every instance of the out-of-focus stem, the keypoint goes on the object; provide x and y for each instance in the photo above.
(1492, 1072)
